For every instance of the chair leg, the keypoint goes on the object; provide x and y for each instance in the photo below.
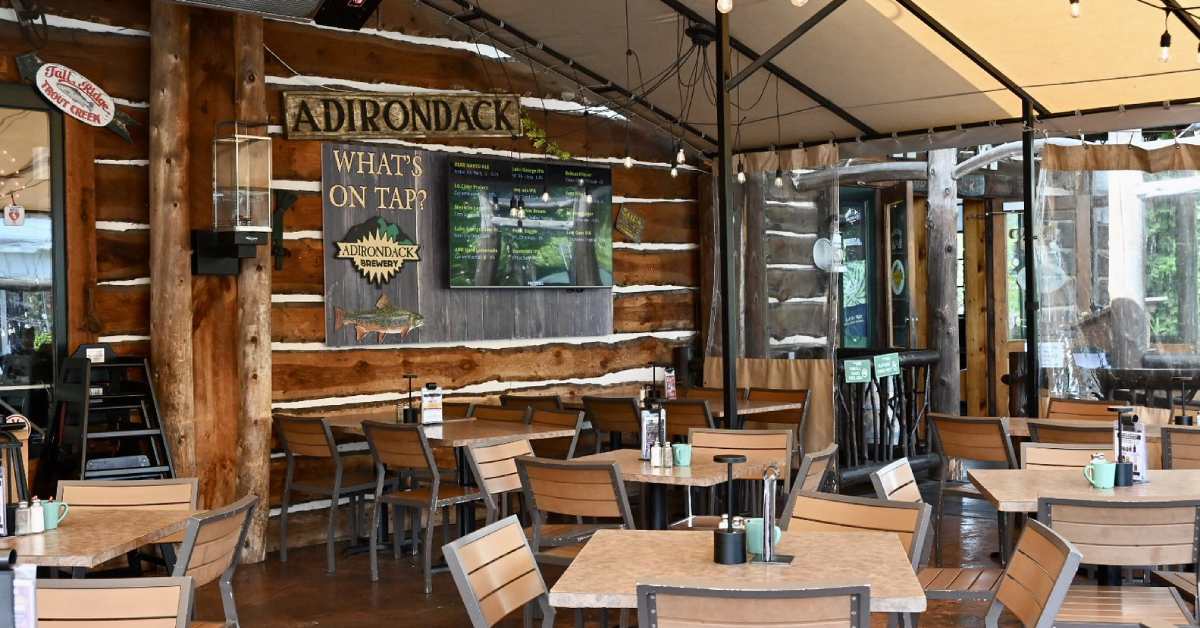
(399, 530)
(938, 513)
(623, 618)
(283, 521)
(579, 618)
(604, 618)
(1002, 528)
(427, 558)
(416, 530)
(372, 539)
(331, 536)
(356, 502)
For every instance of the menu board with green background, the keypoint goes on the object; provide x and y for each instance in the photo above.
(529, 224)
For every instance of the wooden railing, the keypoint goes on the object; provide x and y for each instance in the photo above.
(883, 419)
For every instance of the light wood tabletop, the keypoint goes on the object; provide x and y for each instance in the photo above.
(1019, 426)
(699, 473)
(1017, 490)
(717, 409)
(460, 432)
(603, 576)
(88, 538)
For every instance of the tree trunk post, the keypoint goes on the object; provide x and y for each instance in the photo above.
(170, 251)
(940, 225)
(254, 310)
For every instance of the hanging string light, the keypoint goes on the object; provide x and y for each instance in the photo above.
(680, 156)
(1074, 8)
(674, 171)
(1164, 47)
(800, 3)
(545, 193)
(741, 171)
(628, 55)
(778, 138)
(724, 6)
(778, 175)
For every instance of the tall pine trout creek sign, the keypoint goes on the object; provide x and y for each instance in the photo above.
(358, 115)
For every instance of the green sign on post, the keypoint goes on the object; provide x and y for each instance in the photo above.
(887, 365)
(857, 371)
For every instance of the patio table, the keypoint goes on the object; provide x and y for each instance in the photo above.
(607, 571)
(1017, 490)
(746, 407)
(87, 538)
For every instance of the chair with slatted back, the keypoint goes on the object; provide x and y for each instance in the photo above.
(407, 475)
(496, 573)
(816, 468)
(108, 603)
(165, 494)
(807, 511)
(457, 409)
(1126, 534)
(708, 394)
(1037, 579)
(496, 468)
(537, 402)
(664, 606)
(572, 489)
(685, 414)
(1071, 456)
(978, 439)
(761, 447)
(1081, 409)
(500, 413)
(612, 415)
(211, 549)
(895, 481)
(561, 448)
(1180, 447)
(310, 439)
(795, 418)
(1058, 432)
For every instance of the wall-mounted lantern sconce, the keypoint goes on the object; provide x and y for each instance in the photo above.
(241, 201)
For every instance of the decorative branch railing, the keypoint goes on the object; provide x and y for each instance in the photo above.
(883, 419)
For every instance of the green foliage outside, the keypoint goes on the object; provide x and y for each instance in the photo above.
(1162, 271)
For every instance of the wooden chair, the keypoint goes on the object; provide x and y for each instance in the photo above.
(107, 603)
(500, 413)
(815, 468)
(457, 409)
(895, 481)
(1061, 456)
(796, 418)
(311, 438)
(1180, 447)
(211, 550)
(709, 394)
(495, 572)
(496, 468)
(1037, 578)
(1125, 534)
(537, 402)
(762, 447)
(613, 415)
(823, 512)
(662, 606)
(404, 451)
(685, 414)
(980, 439)
(1056, 432)
(1082, 409)
(561, 448)
(165, 494)
(571, 489)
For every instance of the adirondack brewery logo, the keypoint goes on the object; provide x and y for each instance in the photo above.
(377, 249)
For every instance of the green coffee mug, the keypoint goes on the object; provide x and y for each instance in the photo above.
(1101, 474)
(682, 453)
(754, 535)
(54, 512)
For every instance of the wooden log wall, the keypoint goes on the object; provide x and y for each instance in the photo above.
(655, 300)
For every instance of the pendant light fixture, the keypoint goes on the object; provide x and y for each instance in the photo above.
(724, 6)
(1164, 41)
(1075, 8)
(778, 177)
(741, 171)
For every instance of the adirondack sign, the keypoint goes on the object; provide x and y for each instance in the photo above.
(361, 115)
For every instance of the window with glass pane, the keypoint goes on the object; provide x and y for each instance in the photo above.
(26, 249)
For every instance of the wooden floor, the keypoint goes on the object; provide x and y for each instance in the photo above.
(299, 593)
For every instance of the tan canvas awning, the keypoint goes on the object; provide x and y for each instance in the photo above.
(874, 68)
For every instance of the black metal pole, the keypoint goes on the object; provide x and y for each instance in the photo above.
(729, 304)
(1028, 168)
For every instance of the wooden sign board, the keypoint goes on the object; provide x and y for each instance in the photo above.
(630, 223)
(361, 115)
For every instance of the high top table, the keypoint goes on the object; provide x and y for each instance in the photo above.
(608, 569)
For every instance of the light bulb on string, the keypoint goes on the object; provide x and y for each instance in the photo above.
(674, 171)
(628, 161)
(588, 197)
(680, 156)
(1164, 47)
(545, 194)
(1075, 8)
(741, 173)
(799, 3)
(724, 6)
(778, 177)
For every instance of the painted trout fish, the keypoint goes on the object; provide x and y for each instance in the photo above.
(383, 320)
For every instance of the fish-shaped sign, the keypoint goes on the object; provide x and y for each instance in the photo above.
(383, 320)
(75, 94)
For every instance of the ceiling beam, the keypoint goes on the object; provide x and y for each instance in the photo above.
(974, 56)
(793, 82)
(783, 43)
(1187, 18)
(474, 13)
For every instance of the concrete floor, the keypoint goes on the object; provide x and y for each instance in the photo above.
(299, 593)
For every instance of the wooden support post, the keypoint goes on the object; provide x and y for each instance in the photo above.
(254, 310)
(170, 263)
(940, 225)
(758, 336)
(83, 326)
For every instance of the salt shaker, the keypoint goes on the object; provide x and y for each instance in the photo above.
(21, 525)
(37, 517)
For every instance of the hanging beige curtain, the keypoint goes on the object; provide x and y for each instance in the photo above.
(1100, 157)
(815, 376)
